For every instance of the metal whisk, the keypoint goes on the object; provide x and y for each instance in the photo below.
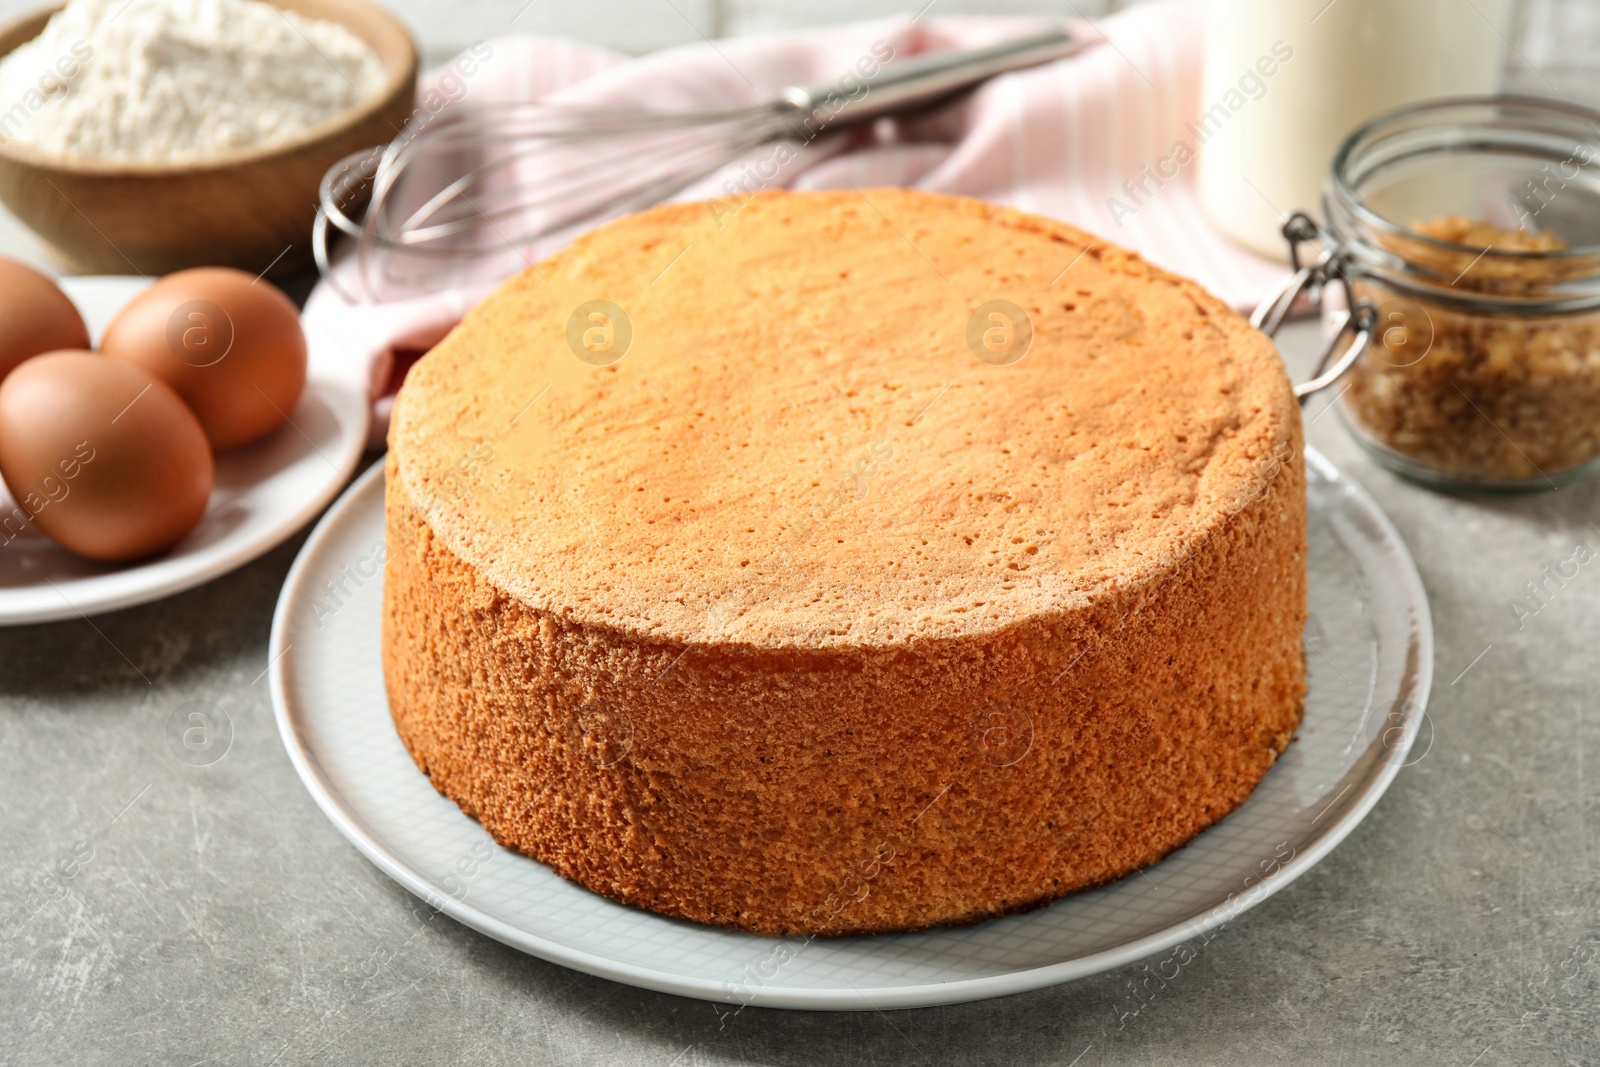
(478, 182)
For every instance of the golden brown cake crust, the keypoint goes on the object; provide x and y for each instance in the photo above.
(801, 617)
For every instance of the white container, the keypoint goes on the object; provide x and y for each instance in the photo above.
(1286, 80)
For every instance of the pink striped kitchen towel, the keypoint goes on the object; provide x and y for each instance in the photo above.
(1092, 139)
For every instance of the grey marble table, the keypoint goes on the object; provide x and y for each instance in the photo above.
(153, 911)
(156, 911)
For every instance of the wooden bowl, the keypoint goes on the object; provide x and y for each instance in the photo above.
(251, 208)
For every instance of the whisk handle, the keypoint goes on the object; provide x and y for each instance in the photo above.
(903, 86)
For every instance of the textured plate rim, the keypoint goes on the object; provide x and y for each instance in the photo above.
(1356, 808)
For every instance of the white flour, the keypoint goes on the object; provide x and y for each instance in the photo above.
(178, 79)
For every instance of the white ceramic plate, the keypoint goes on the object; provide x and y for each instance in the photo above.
(263, 493)
(1370, 649)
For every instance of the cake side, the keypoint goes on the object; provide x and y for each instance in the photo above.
(856, 792)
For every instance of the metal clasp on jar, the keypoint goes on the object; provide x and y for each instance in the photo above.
(1355, 326)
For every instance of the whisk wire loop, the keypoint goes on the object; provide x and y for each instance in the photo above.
(473, 181)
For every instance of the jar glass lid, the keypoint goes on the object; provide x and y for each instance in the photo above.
(1414, 191)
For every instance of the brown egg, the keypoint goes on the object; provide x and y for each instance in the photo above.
(231, 346)
(35, 316)
(107, 460)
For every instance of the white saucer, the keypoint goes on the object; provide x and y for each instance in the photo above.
(263, 494)
(1370, 649)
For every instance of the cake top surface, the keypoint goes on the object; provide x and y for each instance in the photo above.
(843, 419)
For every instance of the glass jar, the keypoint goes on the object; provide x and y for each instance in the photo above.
(1472, 229)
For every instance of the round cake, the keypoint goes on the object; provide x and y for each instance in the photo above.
(845, 562)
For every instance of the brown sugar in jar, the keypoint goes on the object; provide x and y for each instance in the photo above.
(1484, 370)
(1483, 397)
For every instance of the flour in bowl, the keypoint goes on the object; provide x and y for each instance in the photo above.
(179, 80)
